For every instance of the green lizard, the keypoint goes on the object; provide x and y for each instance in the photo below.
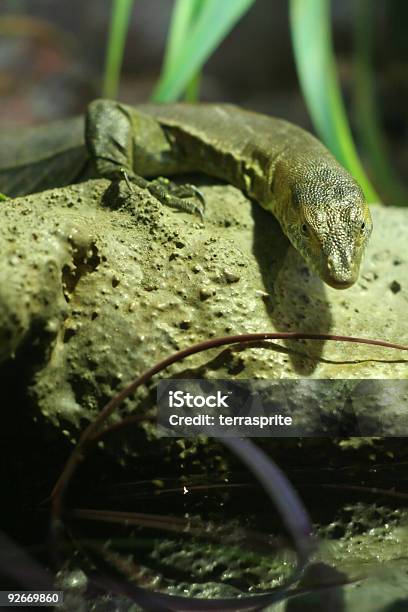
(320, 207)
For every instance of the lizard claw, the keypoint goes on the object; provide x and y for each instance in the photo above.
(180, 197)
(177, 196)
(125, 177)
(199, 194)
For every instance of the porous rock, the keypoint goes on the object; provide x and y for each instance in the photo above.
(106, 289)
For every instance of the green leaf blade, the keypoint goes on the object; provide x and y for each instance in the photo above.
(214, 21)
(369, 125)
(121, 12)
(182, 19)
(315, 61)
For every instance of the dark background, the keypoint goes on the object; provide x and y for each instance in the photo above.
(52, 55)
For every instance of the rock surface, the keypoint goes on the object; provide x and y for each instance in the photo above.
(92, 295)
(107, 293)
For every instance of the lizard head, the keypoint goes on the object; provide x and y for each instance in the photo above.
(330, 223)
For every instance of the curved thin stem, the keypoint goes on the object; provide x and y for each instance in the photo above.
(279, 489)
(109, 408)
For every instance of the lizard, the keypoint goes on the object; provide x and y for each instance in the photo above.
(289, 172)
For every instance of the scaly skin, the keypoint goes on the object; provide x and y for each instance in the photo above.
(325, 216)
(319, 205)
(285, 169)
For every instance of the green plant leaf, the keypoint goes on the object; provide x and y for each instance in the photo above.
(192, 92)
(184, 14)
(182, 18)
(120, 18)
(369, 126)
(214, 21)
(316, 66)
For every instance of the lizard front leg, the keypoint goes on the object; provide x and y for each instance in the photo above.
(123, 142)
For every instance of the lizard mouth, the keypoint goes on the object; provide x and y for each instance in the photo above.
(340, 276)
(340, 284)
(340, 281)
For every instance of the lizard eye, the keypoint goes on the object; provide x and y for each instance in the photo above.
(305, 228)
(363, 226)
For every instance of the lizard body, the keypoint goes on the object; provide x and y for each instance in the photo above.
(320, 207)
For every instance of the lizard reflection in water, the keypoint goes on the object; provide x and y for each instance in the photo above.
(320, 207)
